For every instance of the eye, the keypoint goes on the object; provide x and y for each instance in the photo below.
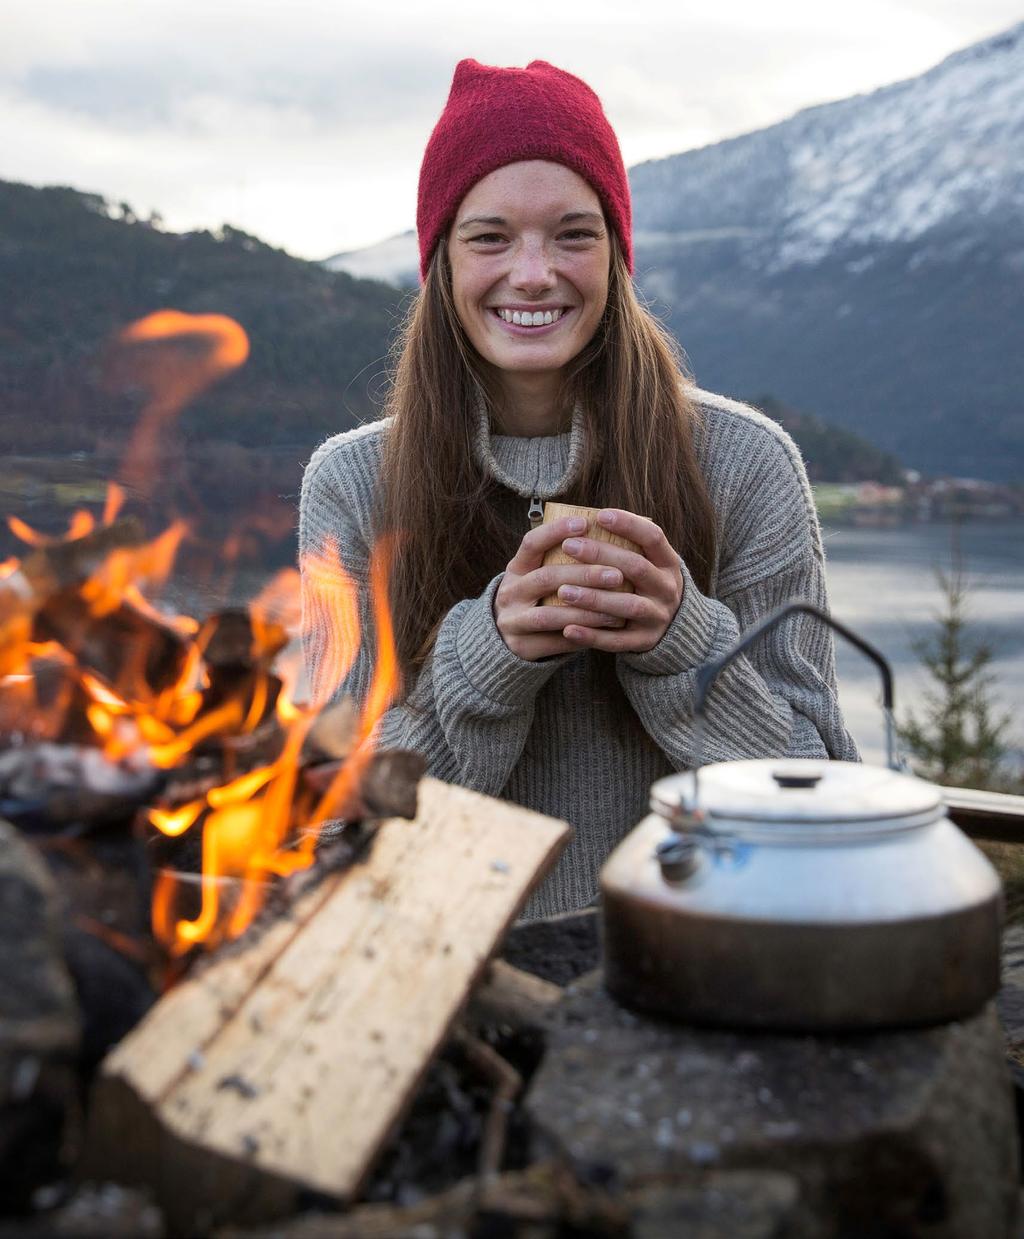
(578, 234)
(487, 238)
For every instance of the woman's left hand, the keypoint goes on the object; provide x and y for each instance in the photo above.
(654, 574)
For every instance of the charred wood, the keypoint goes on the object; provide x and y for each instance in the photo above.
(134, 652)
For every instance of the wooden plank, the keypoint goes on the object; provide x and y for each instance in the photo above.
(197, 1009)
(317, 1051)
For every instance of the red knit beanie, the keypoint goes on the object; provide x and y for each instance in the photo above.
(495, 117)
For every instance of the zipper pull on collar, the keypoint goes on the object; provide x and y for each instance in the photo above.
(536, 512)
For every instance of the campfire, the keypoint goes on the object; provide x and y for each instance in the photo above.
(228, 844)
(107, 701)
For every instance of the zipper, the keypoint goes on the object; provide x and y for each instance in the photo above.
(536, 512)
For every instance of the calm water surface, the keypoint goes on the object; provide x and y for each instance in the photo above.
(882, 584)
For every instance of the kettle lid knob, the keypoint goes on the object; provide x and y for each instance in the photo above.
(793, 776)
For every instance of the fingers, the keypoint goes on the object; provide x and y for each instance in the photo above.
(549, 578)
(636, 607)
(536, 544)
(525, 638)
(595, 612)
(555, 619)
(623, 641)
(642, 573)
(549, 645)
(645, 533)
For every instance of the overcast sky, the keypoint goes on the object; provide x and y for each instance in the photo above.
(303, 121)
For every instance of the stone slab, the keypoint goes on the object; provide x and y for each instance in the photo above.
(910, 1130)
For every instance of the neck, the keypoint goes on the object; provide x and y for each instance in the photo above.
(532, 404)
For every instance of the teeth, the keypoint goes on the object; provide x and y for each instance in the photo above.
(530, 318)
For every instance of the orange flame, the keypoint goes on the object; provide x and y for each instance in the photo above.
(383, 689)
(247, 823)
(336, 592)
(176, 377)
(114, 503)
(175, 822)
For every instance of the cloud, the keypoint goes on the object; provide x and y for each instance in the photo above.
(354, 88)
(305, 123)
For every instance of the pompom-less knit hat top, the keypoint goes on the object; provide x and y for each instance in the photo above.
(495, 117)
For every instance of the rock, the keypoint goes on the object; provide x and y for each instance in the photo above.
(93, 1211)
(904, 1133)
(38, 1027)
(1010, 1000)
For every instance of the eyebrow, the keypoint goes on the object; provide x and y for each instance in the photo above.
(571, 217)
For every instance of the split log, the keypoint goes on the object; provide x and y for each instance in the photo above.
(289, 1059)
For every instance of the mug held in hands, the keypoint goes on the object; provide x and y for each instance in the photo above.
(553, 512)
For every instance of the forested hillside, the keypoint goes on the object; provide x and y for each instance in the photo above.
(74, 270)
(831, 453)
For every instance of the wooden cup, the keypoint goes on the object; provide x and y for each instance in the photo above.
(553, 512)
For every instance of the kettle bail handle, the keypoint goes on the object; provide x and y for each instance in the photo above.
(707, 673)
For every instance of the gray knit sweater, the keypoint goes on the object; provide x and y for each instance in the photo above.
(550, 734)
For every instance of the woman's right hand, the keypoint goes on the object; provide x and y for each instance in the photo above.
(531, 631)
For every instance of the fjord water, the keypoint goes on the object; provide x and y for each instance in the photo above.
(882, 584)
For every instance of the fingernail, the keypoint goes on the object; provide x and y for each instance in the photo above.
(570, 592)
(610, 577)
(606, 518)
(572, 546)
(577, 524)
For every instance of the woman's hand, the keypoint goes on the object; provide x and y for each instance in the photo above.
(533, 632)
(655, 576)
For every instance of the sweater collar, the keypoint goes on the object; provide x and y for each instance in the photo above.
(545, 466)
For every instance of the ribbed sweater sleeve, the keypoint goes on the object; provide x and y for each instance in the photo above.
(779, 699)
(470, 711)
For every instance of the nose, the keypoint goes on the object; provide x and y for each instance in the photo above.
(531, 267)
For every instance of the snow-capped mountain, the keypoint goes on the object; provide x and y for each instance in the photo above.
(945, 148)
(395, 261)
(863, 260)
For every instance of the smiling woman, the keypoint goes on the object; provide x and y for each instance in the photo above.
(529, 371)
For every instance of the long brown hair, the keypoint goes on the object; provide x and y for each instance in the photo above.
(639, 454)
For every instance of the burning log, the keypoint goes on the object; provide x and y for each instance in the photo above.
(58, 565)
(128, 648)
(285, 1063)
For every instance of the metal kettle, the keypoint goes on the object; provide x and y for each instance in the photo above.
(800, 894)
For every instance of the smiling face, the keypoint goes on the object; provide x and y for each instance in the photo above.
(530, 253)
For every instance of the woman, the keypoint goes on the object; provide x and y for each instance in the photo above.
(528, 371)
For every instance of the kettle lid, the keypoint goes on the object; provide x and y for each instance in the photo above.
(797, 791)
